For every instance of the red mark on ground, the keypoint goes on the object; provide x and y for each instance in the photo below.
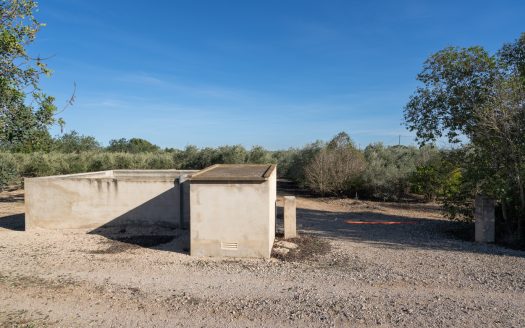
(380, 222)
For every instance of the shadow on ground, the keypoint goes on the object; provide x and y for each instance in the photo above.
(14, 222)
(141, 227)
(158, 238)
(421, 233)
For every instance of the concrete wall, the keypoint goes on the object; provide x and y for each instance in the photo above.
(105, 199)
(272, 185)
(233, 218)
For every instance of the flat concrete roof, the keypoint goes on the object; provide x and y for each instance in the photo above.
(129, 175)
(235, 172)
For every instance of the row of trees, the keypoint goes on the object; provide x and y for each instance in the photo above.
(380, 172)
(328, 168)
(73, 142)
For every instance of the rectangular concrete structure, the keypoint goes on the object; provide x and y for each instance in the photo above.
(106, 199)
(290, 226)
(233, 211)
(485, 221)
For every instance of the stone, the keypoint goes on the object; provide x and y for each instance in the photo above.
(286, 244)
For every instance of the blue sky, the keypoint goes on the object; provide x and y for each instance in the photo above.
(276, 73)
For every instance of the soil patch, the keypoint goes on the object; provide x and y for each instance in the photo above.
(309, 248)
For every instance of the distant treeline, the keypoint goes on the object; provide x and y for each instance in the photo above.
(335, 167)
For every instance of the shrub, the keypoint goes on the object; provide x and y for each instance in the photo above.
(75, 143)
(300, 159)
(8, 171)
(101, 162)
(389, 169)
(159, 161)
(259, 155)
(36, 165)
(231, 155)
(133, 145)
(335, 169)
(122, 161)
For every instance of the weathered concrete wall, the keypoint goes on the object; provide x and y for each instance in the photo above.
(233, 218)
(110, 198)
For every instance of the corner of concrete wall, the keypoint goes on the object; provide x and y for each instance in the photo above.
(272, 193)
(28, 188)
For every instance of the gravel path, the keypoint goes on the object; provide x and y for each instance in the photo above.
(415, 273)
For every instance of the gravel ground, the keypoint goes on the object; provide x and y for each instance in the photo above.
(347, 270)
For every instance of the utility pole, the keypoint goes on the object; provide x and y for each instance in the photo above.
(399, 140)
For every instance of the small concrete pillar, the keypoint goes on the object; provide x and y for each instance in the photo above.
(290, 228)
(485, 221)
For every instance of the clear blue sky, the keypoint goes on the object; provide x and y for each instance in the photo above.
(276, 73)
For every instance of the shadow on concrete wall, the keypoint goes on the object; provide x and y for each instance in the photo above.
(14, 222)
(422, 233)
(154, 224)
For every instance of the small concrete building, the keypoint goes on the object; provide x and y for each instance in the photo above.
(232, 210)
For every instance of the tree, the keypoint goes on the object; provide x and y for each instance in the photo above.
(231, 155)
(470, 94)
(300, 159)
(388, 169)
(334, 169)
(24, 122)
(455, 82)
(75, 143)
(500, 140)
(133, 145)
(340, 141)
(512, 58)
(434, 174)
(259, 155)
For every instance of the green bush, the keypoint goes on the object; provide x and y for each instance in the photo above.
(37, 165)
(8, 171)
(122, 161)
(101, 162)
(159, 162)
(390, 170)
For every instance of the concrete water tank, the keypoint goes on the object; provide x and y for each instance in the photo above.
(232, 210)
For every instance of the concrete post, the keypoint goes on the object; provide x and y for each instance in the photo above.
(485, 221)
(290, 229)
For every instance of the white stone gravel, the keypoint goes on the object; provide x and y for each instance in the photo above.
(407, 275)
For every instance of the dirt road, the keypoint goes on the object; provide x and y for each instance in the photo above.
(353, 270)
